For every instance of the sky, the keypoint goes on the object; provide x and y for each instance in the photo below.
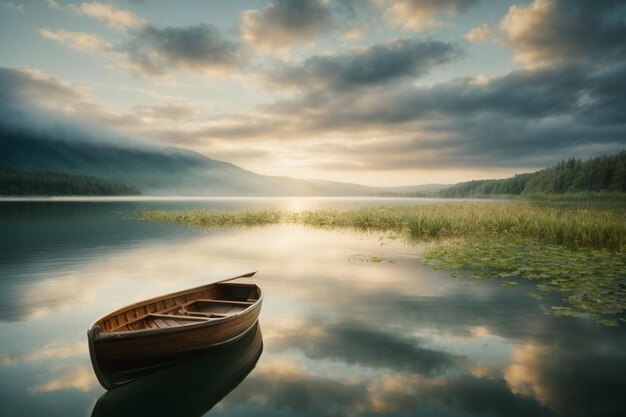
(377, 92)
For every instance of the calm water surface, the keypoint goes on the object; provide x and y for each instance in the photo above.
(338, 335)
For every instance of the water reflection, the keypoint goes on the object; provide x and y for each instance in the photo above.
(341, 336)
(188, 389)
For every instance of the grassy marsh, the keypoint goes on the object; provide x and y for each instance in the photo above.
(577, 252)
(567, 225)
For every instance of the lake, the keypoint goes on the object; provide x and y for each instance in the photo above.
(338, 335)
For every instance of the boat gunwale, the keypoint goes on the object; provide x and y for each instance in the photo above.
(105, 336)
(101, 335)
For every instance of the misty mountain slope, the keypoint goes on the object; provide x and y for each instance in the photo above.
(153, 169)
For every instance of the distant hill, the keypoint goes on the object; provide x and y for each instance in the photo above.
(154, 170)
(603, 174)
(20, 183)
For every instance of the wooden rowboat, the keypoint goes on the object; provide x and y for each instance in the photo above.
(189, 388)
(155, 333)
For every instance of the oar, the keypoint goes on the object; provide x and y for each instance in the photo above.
(248, 275)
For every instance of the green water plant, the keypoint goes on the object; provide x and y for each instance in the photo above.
(572, 251)
(588, 280)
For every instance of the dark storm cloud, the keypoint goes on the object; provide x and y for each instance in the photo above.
(359, 344)
(195, 48)
(456, 6)
(283, 23)
(505, 121)
(567, 30)
(523, 119)
(150, 50)
(521, 94)
(397, 60)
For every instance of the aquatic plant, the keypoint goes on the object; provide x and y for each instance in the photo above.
(578, 252)
(214, 218)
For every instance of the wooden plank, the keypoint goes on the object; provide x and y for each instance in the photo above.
(231, 302)
(130, 315)
(174, 316)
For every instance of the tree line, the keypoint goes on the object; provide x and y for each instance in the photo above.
(21, 183)
(603, 174)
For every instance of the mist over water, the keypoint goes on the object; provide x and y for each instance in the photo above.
(340, 335)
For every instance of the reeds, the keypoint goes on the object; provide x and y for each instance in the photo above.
(215, 218)
(566, 225)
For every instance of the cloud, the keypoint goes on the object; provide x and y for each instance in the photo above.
(421, 15)
(355, 32)
(112, 16)
(13, 6)
(168, 111)
(558, 31)
(519, 120)
(397, 60)
(359, 110)
(39, 88)
(53, 350)
(555, 377)
(358, 344)
(53, 4)
(151, 51)
(284, 23)
(525, 118)
(482, 33)
(80, 379)
(281, 384)
(80, 41)
(200, 49)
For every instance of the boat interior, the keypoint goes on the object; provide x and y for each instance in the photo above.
(213, 302)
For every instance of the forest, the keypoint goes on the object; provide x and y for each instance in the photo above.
(605, 174)
(39, 183)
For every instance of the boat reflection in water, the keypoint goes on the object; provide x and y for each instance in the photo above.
(190, 388)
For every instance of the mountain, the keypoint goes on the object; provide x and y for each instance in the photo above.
(154, 170)
(603, 174)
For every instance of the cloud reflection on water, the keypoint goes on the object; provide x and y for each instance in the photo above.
(80, 378)
(345, 337)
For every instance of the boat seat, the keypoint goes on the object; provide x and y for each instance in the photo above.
(176, 316)
(214, 308)
(209, 315)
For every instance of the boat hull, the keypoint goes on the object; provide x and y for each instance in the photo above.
(121, 356)
(188, 389)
